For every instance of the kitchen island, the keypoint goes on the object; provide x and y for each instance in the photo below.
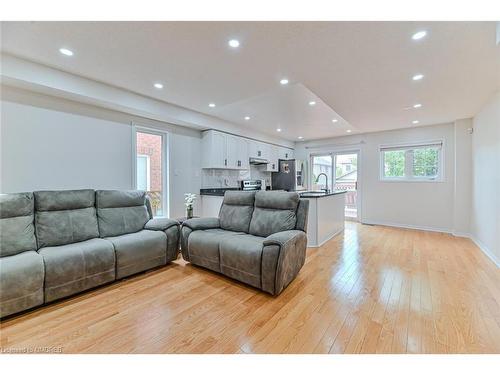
(326, 216)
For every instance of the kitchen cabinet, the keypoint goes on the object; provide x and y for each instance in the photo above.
(257, 149)
(273, 156)
(285, 153)
(224, 151)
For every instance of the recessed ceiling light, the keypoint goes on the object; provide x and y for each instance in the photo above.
(348, 130)
(66, 51)
(278, 130)
(418, 77)
(247, 118)
(312, 102)
(158, 85)
(300, 137)
(419, 35)
(415, 122)
(418, 105)
(234, 43)
(335, 120)
(211, 105)
(284, 81)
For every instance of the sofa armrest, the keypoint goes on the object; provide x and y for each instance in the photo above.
(160, 223)
(283, 256)
(282, 238)
(200, 223)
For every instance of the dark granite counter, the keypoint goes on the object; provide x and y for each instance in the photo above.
(319, 194)
(219, 192)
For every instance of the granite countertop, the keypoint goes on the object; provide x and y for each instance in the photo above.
(319, 194)
(218, 192)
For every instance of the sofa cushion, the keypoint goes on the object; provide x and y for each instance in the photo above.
(240, 258)
(121, 212)
(21, 282)
(236, 210)
(64, 217)
(75, 267)
(203, 246)
(139, 251)
(17, 232)
(274, 212)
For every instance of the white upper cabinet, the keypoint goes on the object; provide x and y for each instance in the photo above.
(285, 153)
(214, 149)
(226, 151)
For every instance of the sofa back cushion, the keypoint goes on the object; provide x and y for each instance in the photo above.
(236, 210)
(275, 211)
(17, 232)
(121, 211)
(65, 216)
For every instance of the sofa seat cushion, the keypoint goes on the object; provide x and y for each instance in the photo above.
(203, 247)
(241, 258)
(140, 251)
(21, 282)
(75, 267)
(274, 212)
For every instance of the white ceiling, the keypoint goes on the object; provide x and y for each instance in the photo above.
(358, 72)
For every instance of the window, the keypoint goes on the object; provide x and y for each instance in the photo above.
(150, 168)
(421, 162)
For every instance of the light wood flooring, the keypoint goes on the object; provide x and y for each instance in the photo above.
(372, 289)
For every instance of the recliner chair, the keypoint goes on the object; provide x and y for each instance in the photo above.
(258, 238)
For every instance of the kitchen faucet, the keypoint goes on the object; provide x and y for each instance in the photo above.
(326, 178)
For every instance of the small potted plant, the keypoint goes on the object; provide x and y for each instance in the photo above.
(189, 199)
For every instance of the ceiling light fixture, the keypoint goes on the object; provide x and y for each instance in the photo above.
(419, 35)
(278, 130)
(418, 77)
(335, 120)
(284, 81)
(234, 43)
(415, 122)
(158, 85)
(418, 105)
(66, 51)
(211, 105)
(348, 130)
(300, 137)
(247, 118)
(312, 102)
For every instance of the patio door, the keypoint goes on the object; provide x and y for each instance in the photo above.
(346, 179)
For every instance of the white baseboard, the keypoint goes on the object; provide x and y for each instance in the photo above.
(405, 226)
(485, 250)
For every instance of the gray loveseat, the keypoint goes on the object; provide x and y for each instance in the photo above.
(258, 238)
(57, 243)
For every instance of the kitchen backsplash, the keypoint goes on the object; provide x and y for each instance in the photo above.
(221, 178)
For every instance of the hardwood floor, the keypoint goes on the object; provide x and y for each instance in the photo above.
(371, 290)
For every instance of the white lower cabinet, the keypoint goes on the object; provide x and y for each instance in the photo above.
(210, 205)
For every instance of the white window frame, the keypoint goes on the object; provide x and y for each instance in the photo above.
(165, 162)
(408, 148)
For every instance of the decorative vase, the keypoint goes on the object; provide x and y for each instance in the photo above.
(189, 212)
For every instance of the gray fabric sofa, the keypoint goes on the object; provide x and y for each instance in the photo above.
(54, 244)
(258, 238)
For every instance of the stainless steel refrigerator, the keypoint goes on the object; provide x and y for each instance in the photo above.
(291, 175)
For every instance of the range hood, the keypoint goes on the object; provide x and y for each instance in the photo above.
(258, 161)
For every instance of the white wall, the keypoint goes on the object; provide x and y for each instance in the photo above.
(49, 143)
(426, 205)
(486, 181)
